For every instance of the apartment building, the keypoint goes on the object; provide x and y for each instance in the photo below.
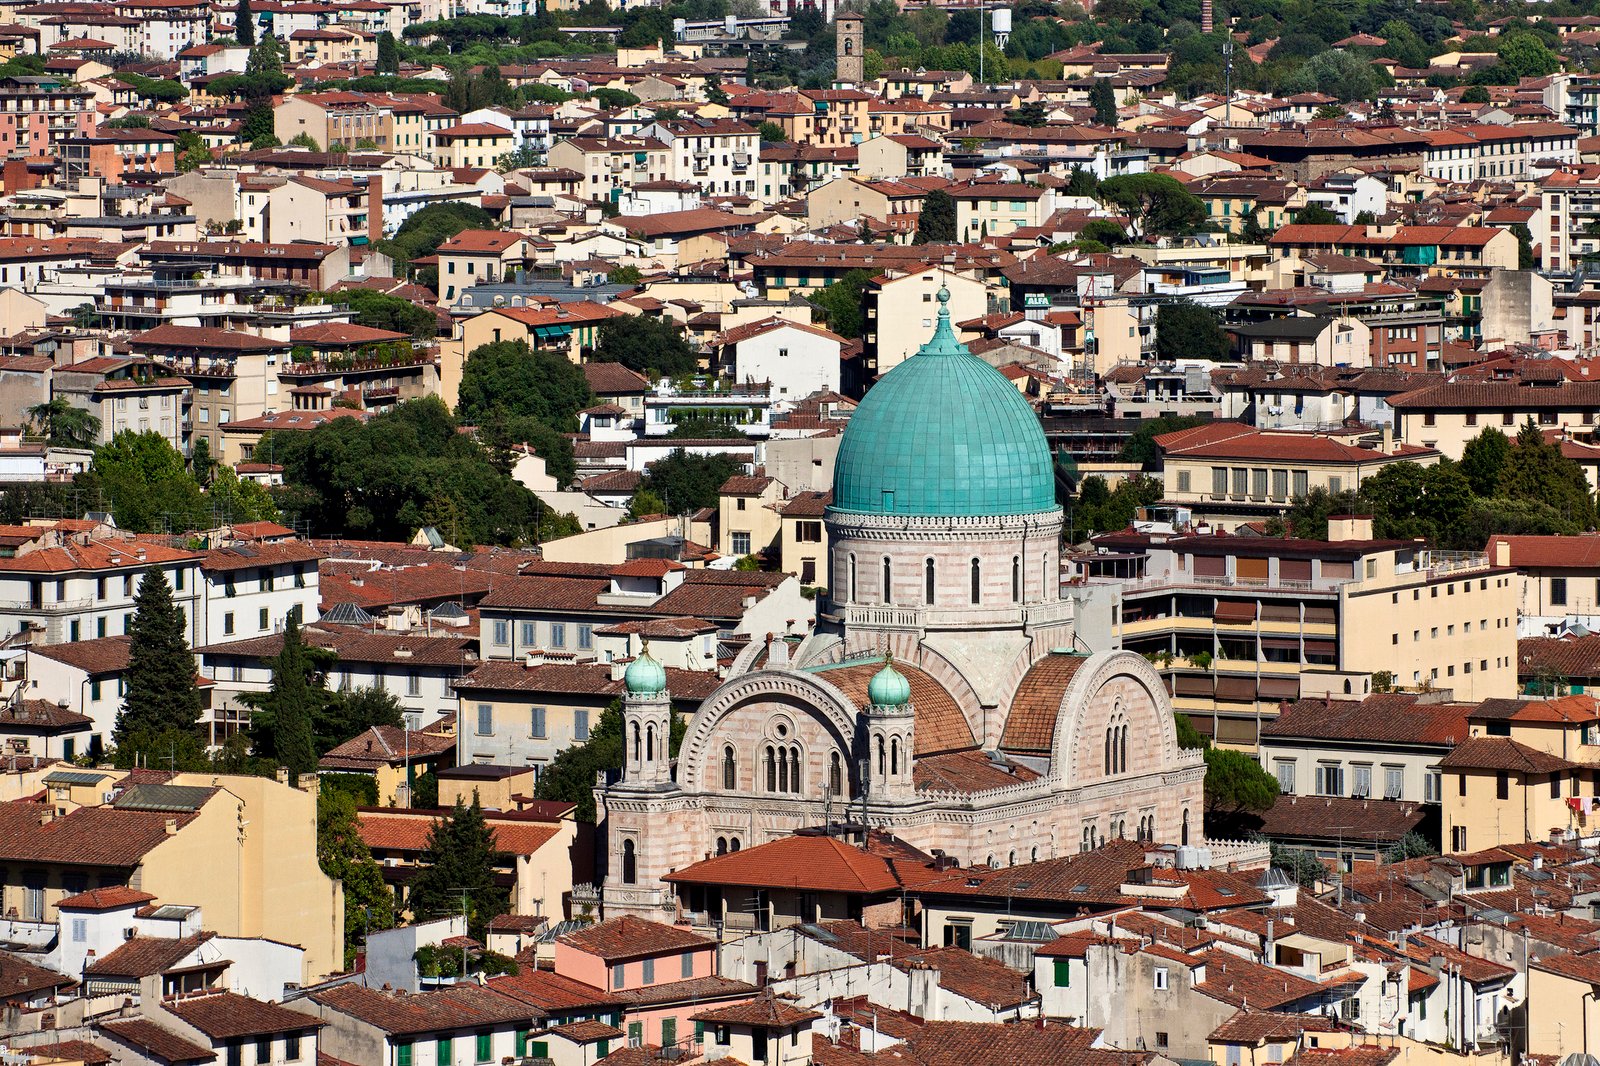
(1229, 474)
(1239, 625)
(1446, 416)
(349, 118)
(899, 308)
(472, 145)
(479, 256)
(718, 155)
(986, 209)
(37, 114)
(232, 375)
(125, 394)
(1463, 153)
(1466, 251)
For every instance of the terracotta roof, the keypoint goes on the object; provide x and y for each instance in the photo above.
(1031, 725)
(627, 937)
(1354, 1055)
(1015, 1044)
(1503, 753)
(84, 1051)
(612, 379)
(549, 991)
(146, 956)
(21, 979)
(1572, 657)
(88, 836)
(1380, 820)
(41, 715)
(457, 1007)
(385, 745)
(105, 899)
(940, 723)
(1576, 552)
(588, 1031)
(799, 863)
(156, 1042)
(399, 829)
(1397, 717)
(967, 771)
(1239, 981)
(693, 990)
(765, 1010)
(229, 1016)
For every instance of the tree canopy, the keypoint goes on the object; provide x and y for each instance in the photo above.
(1187, 330)
(161, 707)
(686, 481)
(1157, 203)
(457, 871)
(647, 345)
(508, 379)
(839, 303)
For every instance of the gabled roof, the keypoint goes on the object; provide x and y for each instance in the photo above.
(229, 1016)
(1503, 753)
(627, 937)
(800, 863)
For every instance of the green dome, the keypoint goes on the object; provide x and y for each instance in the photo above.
(889, 688)
(943, 434)
(645, 676)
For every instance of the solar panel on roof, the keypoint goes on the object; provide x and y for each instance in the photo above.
(245, 551)
(74, 777)
(163, 798)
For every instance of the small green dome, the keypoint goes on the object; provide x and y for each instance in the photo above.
(943, 434)
(645, 676)
(889, 688)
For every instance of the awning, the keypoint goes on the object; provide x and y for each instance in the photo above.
(1235, 613)
(1190, 685)
(1322, 647)
(1280, 612)
(1279, 688)
(1236, 688)
(1279, 644)
(1321, 615)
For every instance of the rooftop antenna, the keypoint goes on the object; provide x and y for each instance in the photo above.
(1227, 78)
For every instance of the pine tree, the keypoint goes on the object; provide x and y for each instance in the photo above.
(244, 23)
(293, 703)
(460, 859)
(388, 54)
(937, 224)
(162, 696)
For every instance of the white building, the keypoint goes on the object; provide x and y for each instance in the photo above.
(795, 359)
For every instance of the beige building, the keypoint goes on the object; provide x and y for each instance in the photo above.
(1238, 625)
(1447, 416)
(255, 838)
(901, 307)
(1228, 473)
(748, 512)
(996, 209)
(803, 541)
(1562, 1004)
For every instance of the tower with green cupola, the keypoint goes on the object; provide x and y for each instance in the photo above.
(890, 721)
(646, 724)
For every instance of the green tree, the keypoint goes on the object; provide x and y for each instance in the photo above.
(200, 461)
(284, 715)
(1188, 735)
(64, 425)
(1411, 846)
(1187, 330)
(645, 503)
(647, 345)
(422, 233)
(840, 303)
(1316, 215)
(1030, 115)
(458, 871)
(244, 23)
(1104, 102)
(382, 311)
(344, 856)
(1537, 471)
(1236, 784)
(713, 90)
(1484, 459)
(388, 54)
(937, 222)
(1103, 230)
(1337, 73)
(1524, 55)
(162, 696)
(149, 484)
(1525, 260)
(349, 712)
(509, 379)
(1475, 94)
(1304, 867)
(1140, 447)
(771, 133)
(571, 774)
(687, 482)
(624, 275)
(1157, 203)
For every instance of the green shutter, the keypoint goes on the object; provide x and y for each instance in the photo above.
(539, 1049)
(484, 1047)
(1063, 973)
(445, 1058)
(522, 1043)
(699, 1032)
(402, 1054)
(669, 1032)
(635, 1033)
(604, 1049)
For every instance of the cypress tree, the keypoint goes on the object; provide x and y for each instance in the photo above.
(161, 692)
(937, 224)
(460, 857)
(1104, 102)
(293, 703)
(244, 23)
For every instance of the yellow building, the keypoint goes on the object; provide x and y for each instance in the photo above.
(570, 328)
(804, 543)
(747, 509)
(393, 757)
(1563, 1005)
(254, 838)
(472, 144)
(1510, 780)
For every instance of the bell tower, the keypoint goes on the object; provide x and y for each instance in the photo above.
(891, 732)
(850, 62)
(646, 724)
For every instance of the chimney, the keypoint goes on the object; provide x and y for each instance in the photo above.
(1502, 552)
(283, 775)
(1348, 527)
(172, 827)
(924, 996)
(374, 209)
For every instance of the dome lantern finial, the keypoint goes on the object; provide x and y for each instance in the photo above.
(644, 676)
(889, 687)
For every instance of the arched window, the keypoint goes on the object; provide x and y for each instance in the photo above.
(849, 46)
(881, 763)
(1122, 755)
(1016, 579)
(783, 771)
(1184, 838)
(630, 863)
(1011, 859)
(977, 581)
(1033, 854)
(927, 582)
(794, 769)
(772, 769)
(1347, 686)
(894, 756)
(835, 775)
(851, 578)
(636, 748)
(722, 845)
(730, 770)
(887, 582)
(650, 743)
(733, 843)
(1044, 577)
(1109, 770)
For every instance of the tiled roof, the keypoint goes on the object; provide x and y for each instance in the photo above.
(229, 1016)
(146, 956)
(1503, 753)
(105, 899)
(156, 1042)
(1579, 552)
(982, 980)
(613, 379)
(1398, 717)
(1354, 1055)
(587, 1032)
(1031, 725)
(765, 1010)
(88, 836)
(458, 1007)
(967, 771)
(551, 992)
(1311, 817)
(1576, 658)
(260, 554)
(385, 745)
(102, 655)
(410, 649)
(84, 1051)
(628, 937)
(29, 715)
(1239, 981)
(1245, 442)
(940, 723)
(1015, 1044)
(693, 990)
(21, 979)
(398, 829)
(800, 863)
(588, 679)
